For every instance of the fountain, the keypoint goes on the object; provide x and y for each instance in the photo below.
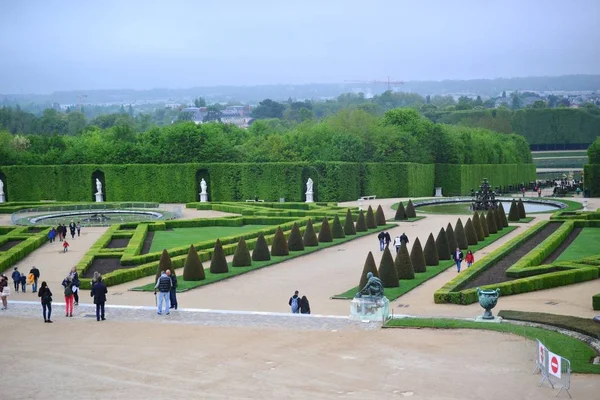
(485, 198)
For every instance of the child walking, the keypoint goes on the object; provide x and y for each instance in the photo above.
(470, 259)
(65, 246)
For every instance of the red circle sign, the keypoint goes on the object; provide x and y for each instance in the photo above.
(554, 365)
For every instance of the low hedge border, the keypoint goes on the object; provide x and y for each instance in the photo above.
(30, 242)
(9, 208)
(596, 302)
(585, 326)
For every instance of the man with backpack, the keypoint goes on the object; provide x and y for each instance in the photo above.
(295, 303)
(163, 284)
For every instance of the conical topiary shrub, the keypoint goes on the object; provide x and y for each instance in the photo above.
(387, 270)
(218, 263)
(370, 266)
(261, 249)
(361, 223)
(371, 222)
(417, 258)
(430, 252)
(461, 237)
(280, 246)
(380, 216)
(470, 233)
(403, 264)
(337, 231)
(295, 239)
(349, 228)
(499, 224)
(502, 213)
(484, 224)
(164, 264)
(452, 243)
(400, 213)
(310, 236)
(410, 210)
(478, 227)
(491, 221)
(192, 268)
(241, 257)
(442, 245)
(325, 232)
(513, 213)
(522, 210)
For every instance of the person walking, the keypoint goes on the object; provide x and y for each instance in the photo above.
(16, 277)
(397, 244)
(36, 275)
(470, 258)
(295, 303)
(23, 283)
(457, 256)
(45, 296)
(381, 238)
(4, 291)
(403, 238)
(68, 285)
(304, 305)
(59, 231)
(72, 227)
(76, 284)
(78, 228)
(99, 291)
(163, 284)
(52, 235)
(65, 246)
(388, 239)
(173, 292)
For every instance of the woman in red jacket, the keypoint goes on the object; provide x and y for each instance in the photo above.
(470, 259)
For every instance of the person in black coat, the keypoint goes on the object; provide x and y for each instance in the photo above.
(45, 296)
(304, 306)
(173, 292)
(99, 294)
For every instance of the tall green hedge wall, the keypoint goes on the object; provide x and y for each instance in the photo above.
(333, 181)
(591, 177)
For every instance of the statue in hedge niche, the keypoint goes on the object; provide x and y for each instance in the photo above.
(98, 186)
(373, 288)
(203, 186)
(309, 186)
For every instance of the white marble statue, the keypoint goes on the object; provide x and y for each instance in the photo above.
(309, 186)
(203, 186)
(2, 199)
(98, 186)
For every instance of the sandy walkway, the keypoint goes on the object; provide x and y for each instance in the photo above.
(166, 361)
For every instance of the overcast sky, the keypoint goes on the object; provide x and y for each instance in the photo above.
(48, 45)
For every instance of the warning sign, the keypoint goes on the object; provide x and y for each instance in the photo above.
(554, 366)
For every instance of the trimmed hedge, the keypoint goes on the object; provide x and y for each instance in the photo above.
(380, 216)
(400, 213)
(361, 223)
(349, 228)
(369, 266)
(295, 242)
(164, 264)
(337, 231)
(591, 178)
(478, 227)
(490, 218)
(513, 213)
(371, 223)
(387, 270)
(596, 302)
(310, 237)
(417, 258)
(261, 249)
(521, 208)
(502, 213)
(16, 253)
(461, 237)
(193, 270)
(431, 252)
(484, 224)
(410, 210)
(241, 257)
(325, 234)
(280, 245)
(452, 242)
(218, 263)
(470, 233)
(443, 249)
(499, 223)
(403, 264)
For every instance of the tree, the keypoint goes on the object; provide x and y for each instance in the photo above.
(371, 222)
(403, 264)
(490, 219)
(538, 104)
(516, 101)
(521, 210)
(464, 103)
(337, 231)
(431, 253)
(295, 239)
(193, 270)
(444, 252)
(380, 216)
(368, 267)
(268, 109)
(349, 228)
(452, 242)
(478, 102)
(513, 213)
(400, 213)
(76, 123)
(279, 246)
(199, 102)
(164, 264)
(470, 233)
(417, 258)
(261, 249)
(325, 234)
(218, 263)
(361, 223)
(594, 152)
(387, 270)
(484, 224)
(502, 214)
(461, 237)
(478, 227)
(410, 210)
(499, 223)
(310, 237)
(241, 257)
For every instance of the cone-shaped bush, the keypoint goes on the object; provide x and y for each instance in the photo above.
(491, 221)
(416, 257)
(513, 213)
(325, 232)
(410, 210)
(337, 231)
(164, 264)
(280, 246)
(499, 224)
(295, 239)
(370, 266)
(431, 253)
(371, 222)
(261, 249)
(470, 233)
(403, 264)
(349, 228)
(400, 213)
(310, 236)
(361, 223)
(387, 270)
(484, 224)
(502, 213)
(218, 263)
(522, 210)
(452, 243)
(380, 216)
(241, 257)
(442, 245)
(461, 236)
(478, 227)
(193, 269)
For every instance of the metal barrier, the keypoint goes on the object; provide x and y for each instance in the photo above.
(556, 370)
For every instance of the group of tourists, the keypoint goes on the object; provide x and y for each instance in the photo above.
(22, 280)
(60, 232)
(299, 305)
(458, 257)
(399, 241)
(385, 239)
(166, 285)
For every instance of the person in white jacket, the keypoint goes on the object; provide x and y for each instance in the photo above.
(397, 243)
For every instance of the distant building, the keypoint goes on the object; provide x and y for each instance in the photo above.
(236, 115)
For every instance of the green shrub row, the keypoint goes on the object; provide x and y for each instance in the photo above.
(16, 253)
(585, 326)
(591, 178)
(596, 302)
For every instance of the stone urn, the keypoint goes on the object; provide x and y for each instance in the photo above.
(488, 300)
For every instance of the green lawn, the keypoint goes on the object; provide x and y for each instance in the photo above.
(579, 353)
(183, 285)
(420, 278)
(186, 236)
(522, 221)
(585, 244)
(417, 218)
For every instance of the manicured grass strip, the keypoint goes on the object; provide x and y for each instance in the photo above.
(522, 221)
(417, 218)
(183, 286)
(579, 353)
(571, 205)
(587, 326)
(187, 236)
(584, 245)
(420, 278)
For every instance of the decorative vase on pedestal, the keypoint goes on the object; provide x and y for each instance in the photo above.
(488, 300)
